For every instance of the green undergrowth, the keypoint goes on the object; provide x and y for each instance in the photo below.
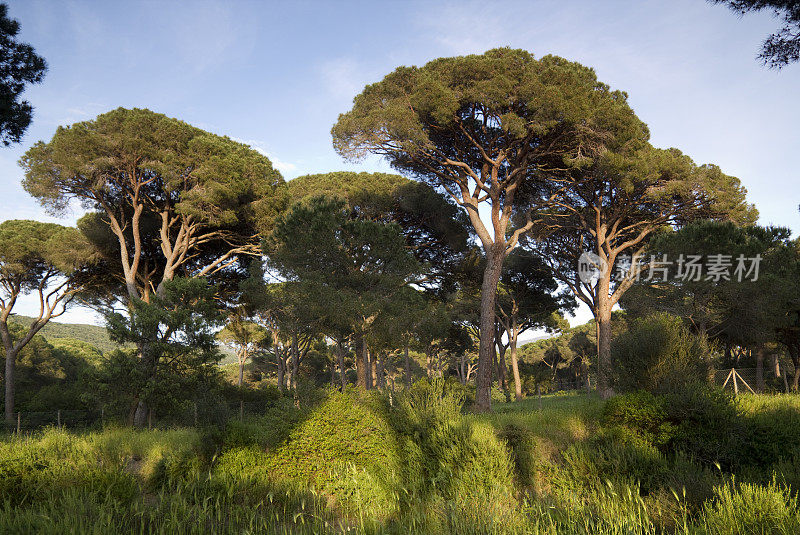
(416, 462)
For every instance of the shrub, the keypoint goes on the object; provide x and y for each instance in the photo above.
(617, 455)
(346, 438)
(656, 353)
(744, 509)
(455, 472)
(707, 425)
(772, 436)
(640, 411)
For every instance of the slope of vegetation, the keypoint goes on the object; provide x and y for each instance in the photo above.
(91, 334)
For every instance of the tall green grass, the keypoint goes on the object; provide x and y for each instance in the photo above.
(356, 464)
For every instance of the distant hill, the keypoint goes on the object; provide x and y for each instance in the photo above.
(91, 334)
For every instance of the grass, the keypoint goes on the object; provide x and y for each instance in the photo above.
(418, 467)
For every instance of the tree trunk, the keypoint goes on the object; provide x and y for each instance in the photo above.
(373, 370)
(794, 354)
(368, 375)
(585, 370)
(341, 365)
(502, 375)
(760, 353)
(361, 373)
(603, 337)
(150, 362)
(512, 338)
(140, 415)
(11, 364)
(407, 384)
(241, 372)
(379, 372)
(776, 365)
(295, 361)
(491, 276)
(428, 363)
(281, 370)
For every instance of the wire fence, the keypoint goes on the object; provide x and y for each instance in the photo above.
(740, 380)
(773, 379)
(194, 415)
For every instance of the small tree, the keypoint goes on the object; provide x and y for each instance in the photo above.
(44, 258)
(527, 298)
(245, 338)
(658, 353)
(178, 329)
(353, 267)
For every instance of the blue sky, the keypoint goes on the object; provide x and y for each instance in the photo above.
(277, 74)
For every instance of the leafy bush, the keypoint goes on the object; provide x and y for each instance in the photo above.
(698, 420)
(267, 431)
(347, 428)
(640, 411)
(772, 436)
(656, 353)
(618, 455)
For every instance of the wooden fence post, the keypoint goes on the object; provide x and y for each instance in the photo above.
(58, 419)
(19, 421)
(195, 414)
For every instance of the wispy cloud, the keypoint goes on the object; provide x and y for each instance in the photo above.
(210, 34)
(277, 163)
(343, 77)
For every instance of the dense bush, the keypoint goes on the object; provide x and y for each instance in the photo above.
(640, 411)
(750, 508)
(657, 353)
(453, 471)
(347, 428)
(698, 420)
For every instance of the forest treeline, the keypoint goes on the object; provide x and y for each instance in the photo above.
(511, 169)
